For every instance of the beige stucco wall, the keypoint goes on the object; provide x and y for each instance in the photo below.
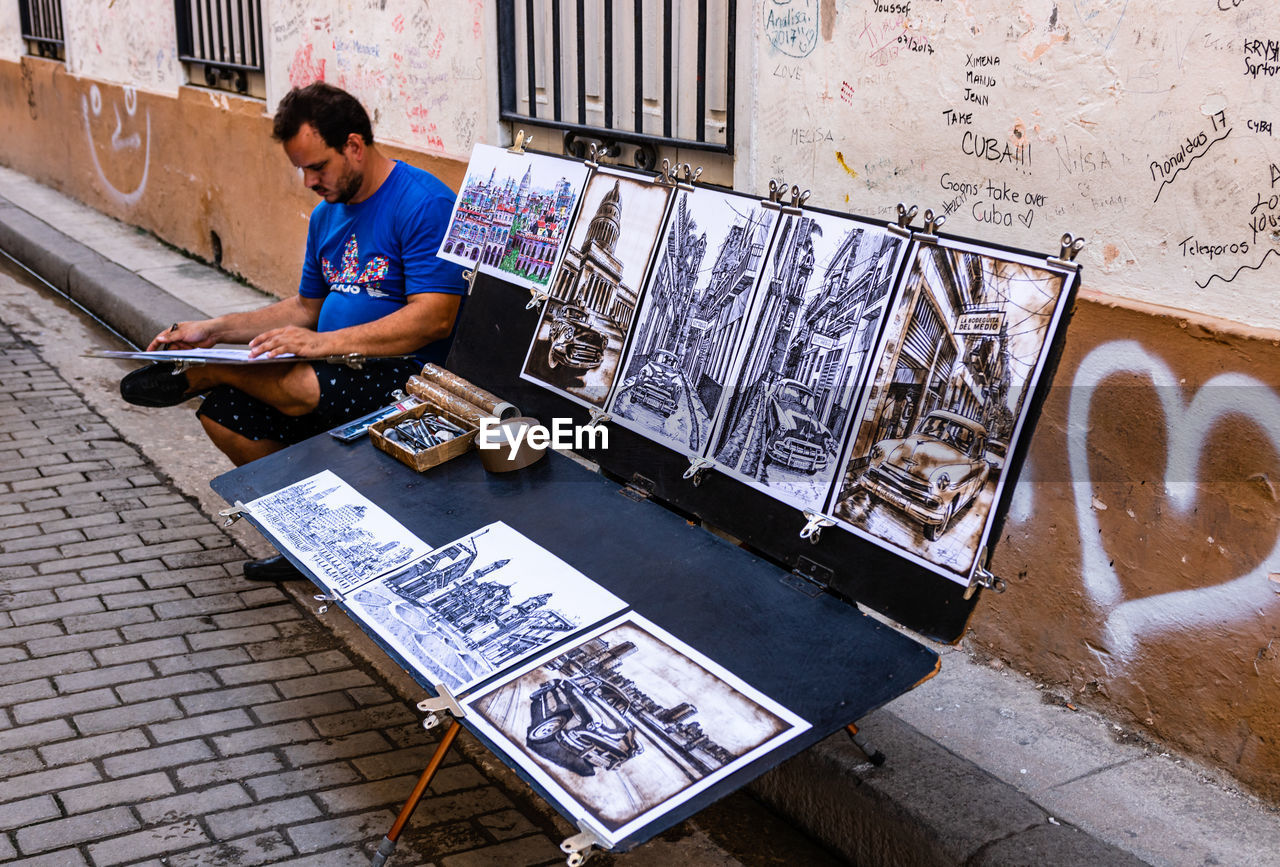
(105, 42)
(1142, 548)
(1142, 543)
(1138, 124)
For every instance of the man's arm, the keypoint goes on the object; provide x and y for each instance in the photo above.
(425, 317)
(243, 327)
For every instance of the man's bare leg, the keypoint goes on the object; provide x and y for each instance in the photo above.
(236, 446)
(291, 388)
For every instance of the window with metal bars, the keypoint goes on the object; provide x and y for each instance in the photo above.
(648, 73)
(220, 43)
(42, 27)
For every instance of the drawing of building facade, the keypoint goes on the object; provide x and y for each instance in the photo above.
(671, 291)
(719, 315)
(591, 274)
(838, 325)
(935, 363)
(331, 536)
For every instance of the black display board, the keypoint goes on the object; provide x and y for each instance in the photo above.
(489, 349)
(821, 658)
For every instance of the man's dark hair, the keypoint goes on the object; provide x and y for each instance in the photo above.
(333, 112)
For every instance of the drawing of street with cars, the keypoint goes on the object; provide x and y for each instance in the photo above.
(955, 369)
(629, 720)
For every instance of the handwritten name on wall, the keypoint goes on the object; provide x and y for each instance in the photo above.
(791, 26)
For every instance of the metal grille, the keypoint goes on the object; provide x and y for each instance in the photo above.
(637, 71)
(224, 36)
(42, 26)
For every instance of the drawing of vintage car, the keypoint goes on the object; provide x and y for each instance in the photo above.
(658, 384)
(793, 435)
(933, 473)
(580, 725)
(575, 342)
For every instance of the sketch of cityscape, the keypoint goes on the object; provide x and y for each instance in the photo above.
(478, 604)
(630, 722)
(577, 347)
(814, 320)
(512, 214)
(337, 534)
(692, 317)
(954, 370)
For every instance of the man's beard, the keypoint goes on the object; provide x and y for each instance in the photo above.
(347, 187)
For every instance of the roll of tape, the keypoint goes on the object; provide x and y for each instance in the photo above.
(506, 446)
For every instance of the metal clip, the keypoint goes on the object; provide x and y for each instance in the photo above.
(537, 297)
(814, 522)
(691, 175)
(582, 845)
(697, 466)
(233, 514)
(598, 417)
(324, 599)
(982, 577)
(442, 703)
(597, 153)
(777, 189)
(903, 225)
(354, 360)
(470, 277)
(1067, 252)
(932, 223)
(522, 141)
(798, 199)
(666, 177)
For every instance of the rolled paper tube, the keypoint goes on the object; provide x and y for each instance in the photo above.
(446, 400)
(491, 403)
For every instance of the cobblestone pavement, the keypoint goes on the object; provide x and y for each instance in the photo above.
(156, 708)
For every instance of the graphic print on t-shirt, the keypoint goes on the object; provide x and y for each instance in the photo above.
(351, 279)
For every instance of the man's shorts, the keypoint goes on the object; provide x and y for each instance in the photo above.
(345, 394)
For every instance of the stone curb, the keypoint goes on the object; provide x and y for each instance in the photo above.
(925, 806)
(134, 307)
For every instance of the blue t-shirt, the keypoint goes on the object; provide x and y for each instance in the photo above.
(364, 259)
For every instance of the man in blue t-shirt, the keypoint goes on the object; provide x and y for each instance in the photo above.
(371, 284)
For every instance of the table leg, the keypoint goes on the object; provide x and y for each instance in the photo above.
(388, 844)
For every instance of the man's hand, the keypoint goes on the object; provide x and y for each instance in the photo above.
(183, 335)
(293, 340)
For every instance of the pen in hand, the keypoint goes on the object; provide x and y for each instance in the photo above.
(164, 344)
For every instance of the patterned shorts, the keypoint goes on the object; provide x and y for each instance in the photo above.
(345, 393)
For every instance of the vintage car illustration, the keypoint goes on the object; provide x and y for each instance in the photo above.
(932, 473)
(658, 385)
(581, 726)
(794, 436)
(575, 343)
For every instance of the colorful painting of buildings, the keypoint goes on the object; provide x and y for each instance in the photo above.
(514, 219)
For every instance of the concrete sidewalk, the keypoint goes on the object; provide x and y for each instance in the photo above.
(984, 767)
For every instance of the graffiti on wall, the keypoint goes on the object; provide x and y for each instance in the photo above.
(124, 141)
(1105, 117)
(1187, 429)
